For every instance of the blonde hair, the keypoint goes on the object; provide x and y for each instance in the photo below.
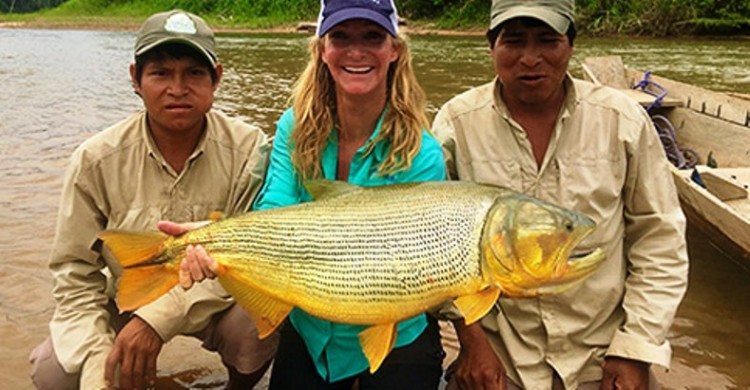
(314, 104)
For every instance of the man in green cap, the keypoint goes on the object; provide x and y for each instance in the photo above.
(177, 160)
(589, 148)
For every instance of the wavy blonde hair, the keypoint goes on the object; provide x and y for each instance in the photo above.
(314, 104)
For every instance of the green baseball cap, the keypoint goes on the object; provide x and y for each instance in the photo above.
(558, 14)
(176, 26)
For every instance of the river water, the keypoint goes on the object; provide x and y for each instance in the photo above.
(58, 87)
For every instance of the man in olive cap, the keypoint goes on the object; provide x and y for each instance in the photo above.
(177, 160)
(589, 148)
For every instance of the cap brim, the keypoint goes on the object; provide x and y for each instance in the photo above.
(357, 13)
(553, 19)
(210, 57)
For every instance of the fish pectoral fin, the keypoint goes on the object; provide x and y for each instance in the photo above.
(267, 312)
(475, 306)
(377, 342)
(140, 286)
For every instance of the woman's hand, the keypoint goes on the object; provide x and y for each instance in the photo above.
(197, 264)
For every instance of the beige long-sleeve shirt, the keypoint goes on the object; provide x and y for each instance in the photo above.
(118, 180)
(606, 161)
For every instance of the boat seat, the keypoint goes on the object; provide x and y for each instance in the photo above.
(727, 183)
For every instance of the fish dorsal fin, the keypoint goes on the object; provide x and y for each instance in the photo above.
(216, 216)
(323, 188)
(267, 312)
(475, 306)
(377, 342)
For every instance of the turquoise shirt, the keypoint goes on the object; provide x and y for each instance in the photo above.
(335, 347)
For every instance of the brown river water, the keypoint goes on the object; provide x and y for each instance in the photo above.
(59, 87)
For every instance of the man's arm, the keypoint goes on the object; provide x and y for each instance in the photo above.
(444, 132)
(477, 366)
(656, 254)
(79, 329)
(249, 181)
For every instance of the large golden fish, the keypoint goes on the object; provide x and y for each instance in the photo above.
(372, 256)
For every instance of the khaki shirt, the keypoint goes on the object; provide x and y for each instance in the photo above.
(119, 180)
(606, 161)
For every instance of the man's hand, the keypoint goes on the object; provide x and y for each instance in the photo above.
(478, 368)
(135, 351)
(197, 265)
(175, 229)
(624, 374)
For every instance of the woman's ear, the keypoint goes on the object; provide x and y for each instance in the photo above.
(395, 50)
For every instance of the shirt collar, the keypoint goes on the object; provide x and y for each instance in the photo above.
(330, 152)
(381, 148)
(154, 152)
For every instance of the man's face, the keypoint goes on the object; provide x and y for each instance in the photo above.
(531, 60)
(177, 93)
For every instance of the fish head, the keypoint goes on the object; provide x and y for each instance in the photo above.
(527, 246)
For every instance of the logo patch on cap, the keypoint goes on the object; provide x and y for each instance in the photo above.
(181, 24)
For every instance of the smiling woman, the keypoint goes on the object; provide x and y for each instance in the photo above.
(358, 115)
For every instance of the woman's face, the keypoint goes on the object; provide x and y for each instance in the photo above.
(358, 54)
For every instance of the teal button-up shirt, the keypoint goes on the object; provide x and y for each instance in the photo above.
(334, 347)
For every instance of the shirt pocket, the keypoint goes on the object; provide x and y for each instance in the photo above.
(504, 173)
(593, 186)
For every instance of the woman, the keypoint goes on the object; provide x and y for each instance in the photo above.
(358, 116)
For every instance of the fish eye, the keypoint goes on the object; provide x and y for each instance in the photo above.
(569, 225)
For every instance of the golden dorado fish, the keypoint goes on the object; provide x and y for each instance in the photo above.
(372, 256)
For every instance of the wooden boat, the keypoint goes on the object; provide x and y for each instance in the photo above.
(714, 125)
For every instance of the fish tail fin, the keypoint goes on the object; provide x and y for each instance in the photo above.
(140, 284)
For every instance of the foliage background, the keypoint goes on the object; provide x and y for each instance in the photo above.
(594, 17)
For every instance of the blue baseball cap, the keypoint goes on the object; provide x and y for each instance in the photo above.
(380, 12)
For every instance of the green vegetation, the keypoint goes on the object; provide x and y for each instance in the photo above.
(23, 6)
(664, 17)
(595, 17)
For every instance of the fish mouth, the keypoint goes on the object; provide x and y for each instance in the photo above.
(576, 269)
(571, 274)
